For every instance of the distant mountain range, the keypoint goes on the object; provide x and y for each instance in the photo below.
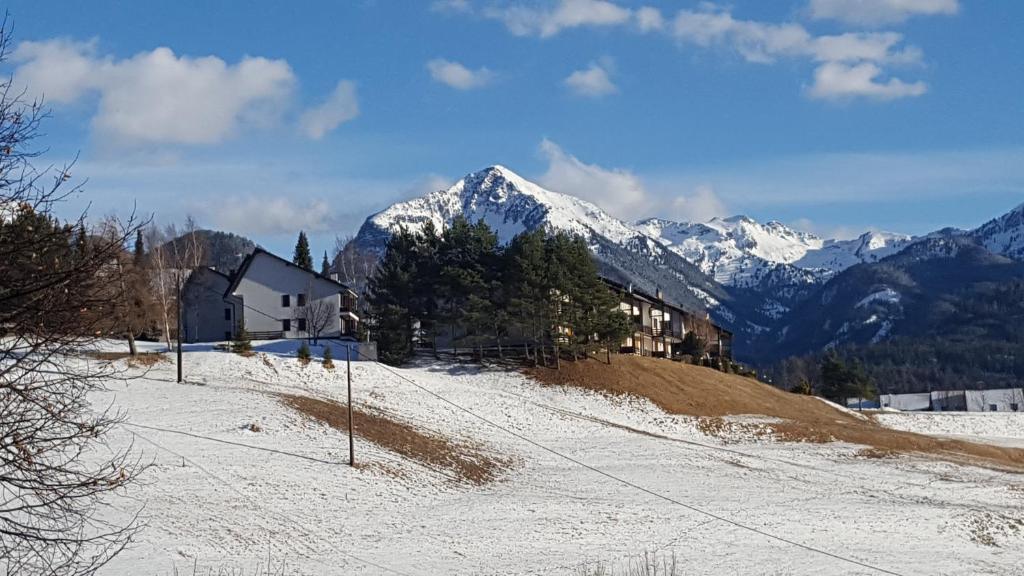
(782, 291)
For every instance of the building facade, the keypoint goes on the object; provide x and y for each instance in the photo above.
(659, 327)
(272, 298)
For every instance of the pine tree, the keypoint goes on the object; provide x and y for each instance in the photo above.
(424, 303)
(328, 358)
(303, 354)
(302, 257)
(325, 266)
(390, 292)
(527, 284)
(139, 255)
(242, 344)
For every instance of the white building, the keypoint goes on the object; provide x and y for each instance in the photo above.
(999, 400)
(270, 296)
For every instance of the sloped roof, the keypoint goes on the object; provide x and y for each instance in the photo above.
(248, 261)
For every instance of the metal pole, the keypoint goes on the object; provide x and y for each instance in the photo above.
(179, 330)
(351, 441)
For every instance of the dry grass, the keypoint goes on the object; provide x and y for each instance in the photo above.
(143, 359)
(467, 462)
(691, 390)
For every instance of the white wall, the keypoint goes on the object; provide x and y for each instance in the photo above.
(266, 279)
(1002, 399)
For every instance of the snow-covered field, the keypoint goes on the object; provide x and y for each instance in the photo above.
(998, 428)
(228, 506)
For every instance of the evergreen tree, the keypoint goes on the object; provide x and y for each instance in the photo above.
(328, 358)
(325, 267)
(303, 353)
(424, 303)
(139, 255)
(302, 257)
(242, 344)
(390, 292)
(526, 282)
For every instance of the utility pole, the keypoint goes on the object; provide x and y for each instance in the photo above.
(351, 440)
(179, 330)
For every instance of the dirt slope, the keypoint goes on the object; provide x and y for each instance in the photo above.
(691, 390)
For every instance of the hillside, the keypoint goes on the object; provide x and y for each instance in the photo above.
(249, 467)
(711, 395)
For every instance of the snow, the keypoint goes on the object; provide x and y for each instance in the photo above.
(229, 507)
(885, 296)
(999, 428)
(740, 251)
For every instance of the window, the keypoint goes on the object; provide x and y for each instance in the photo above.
(302, 323)
(992, 407)
(286, 325)
(227, 314)
(302, 300)
(1015, 407)
(286, 300)
(227, 335)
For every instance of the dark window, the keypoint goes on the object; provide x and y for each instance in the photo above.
(286, 325)
(286, 300)
(1014, 407)
(992, 407)
(227, 335)
(302, 324)
(227, 313)
(302, 300)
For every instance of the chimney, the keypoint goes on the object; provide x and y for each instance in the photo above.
(334, 276)
(658, 293)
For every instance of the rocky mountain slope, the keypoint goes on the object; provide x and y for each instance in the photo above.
(781, 290)
(739, 251)
(510, 204)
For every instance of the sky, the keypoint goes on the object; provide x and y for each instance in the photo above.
(264, 118)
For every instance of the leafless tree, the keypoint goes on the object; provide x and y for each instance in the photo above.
(55, 302)
(317, 313)
(161, 277)
(354, 265)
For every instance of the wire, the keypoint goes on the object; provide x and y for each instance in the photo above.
(243, 445)
(630, 484)
(610, 476)
(300, 525)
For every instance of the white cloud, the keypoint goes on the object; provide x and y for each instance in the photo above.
(648, 19)
(565, 14)
(458, 76)
(340, 107)
(624, 194)
(874, 12)
(700, 206)
(271, 215)
(837, 81)
(849, 63)
(462, 6)
(157, 96)
(619, 192)
(593, 81)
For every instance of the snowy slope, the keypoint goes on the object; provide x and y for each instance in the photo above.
(228, 507)
(510, 204)
(1004, 235)
(740, 251)
(507, 202)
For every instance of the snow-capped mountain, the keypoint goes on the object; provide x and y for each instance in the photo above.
(510, 204)
(1003, 235)
(739, 251)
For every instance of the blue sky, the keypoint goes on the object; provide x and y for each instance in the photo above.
(263, 118)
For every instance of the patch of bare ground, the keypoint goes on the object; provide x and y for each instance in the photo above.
(469, 463)
(144, 359)
(695, 391)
